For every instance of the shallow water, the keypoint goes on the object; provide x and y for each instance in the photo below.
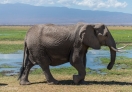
(93, 61)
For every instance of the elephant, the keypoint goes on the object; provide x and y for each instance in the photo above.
(52, 45)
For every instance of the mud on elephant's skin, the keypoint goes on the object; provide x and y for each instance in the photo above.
(51, 45)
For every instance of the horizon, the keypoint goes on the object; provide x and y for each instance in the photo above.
(26, 14)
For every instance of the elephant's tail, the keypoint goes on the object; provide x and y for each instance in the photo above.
(24, 60)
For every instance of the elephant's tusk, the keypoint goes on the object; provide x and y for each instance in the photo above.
(121, 47)
(114, 49)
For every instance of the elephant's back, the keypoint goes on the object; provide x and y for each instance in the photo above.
(50, 35)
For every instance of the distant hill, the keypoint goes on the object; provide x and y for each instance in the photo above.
(23, 14)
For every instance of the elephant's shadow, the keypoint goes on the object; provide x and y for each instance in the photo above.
(3, 84)
(70, 82)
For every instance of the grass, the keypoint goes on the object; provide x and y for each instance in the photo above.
(123, 66)
(11, 42)
(114, 81)
(119, 27)
(122, 35)
(10, 48)
(12, 35)
(6, 66)
(119, 60)
(62, 70)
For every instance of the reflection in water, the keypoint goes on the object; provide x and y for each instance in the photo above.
(15, 60)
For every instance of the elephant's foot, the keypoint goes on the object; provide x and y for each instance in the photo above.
(52, 82)
(82, 82)
(24, 82)
(76, 79)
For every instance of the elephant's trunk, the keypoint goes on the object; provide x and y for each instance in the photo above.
(111, 43)
(113, 57)
(113, 51)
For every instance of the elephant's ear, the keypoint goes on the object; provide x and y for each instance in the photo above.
(88, 36)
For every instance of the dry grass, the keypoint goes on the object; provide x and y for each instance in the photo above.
(15, 27)
(119, 27)
(27, 27)
(11, 42)
(95, 83)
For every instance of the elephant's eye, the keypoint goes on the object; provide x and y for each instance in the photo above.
(97, 31)
(106, 35)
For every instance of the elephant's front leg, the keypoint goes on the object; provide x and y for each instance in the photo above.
(78, 63)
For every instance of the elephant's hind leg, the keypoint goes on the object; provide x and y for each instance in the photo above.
(50, 79)
(24, 79)
(44, 64)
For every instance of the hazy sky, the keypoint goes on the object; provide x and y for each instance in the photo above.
(107, 5)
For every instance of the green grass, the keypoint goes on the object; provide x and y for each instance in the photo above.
(10, 48)
(12, 35)
(6, 66)
(119, 60)
(122, 35)
(123, 66)
(1, 74)
(62, 70)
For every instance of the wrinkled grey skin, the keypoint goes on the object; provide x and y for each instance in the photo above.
(51, 45)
